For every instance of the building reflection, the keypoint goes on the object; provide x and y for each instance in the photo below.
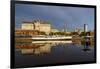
(34, 48)
(45, 47)
(38, 47)
(86, 42)
(83, 41)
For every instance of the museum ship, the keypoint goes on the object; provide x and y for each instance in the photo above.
(51, 38)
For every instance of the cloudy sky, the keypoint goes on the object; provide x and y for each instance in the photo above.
(56, 15)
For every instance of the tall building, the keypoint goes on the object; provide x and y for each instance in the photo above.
(85, 28)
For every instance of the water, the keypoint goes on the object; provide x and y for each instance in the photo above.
(51, 52)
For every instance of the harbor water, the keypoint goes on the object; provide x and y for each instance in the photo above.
(52, 52)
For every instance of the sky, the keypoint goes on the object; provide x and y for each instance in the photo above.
(57, 16)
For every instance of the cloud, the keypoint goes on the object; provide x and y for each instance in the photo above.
(73, 16)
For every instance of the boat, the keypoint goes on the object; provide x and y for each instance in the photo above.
(40, 38)
(51, 42)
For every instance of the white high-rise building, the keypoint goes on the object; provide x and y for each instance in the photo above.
(85, 27)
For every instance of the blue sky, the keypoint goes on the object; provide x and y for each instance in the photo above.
(56, 15)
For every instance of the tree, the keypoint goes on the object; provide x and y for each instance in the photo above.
(42, 33)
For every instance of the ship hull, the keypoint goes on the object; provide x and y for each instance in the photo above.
(52, 38)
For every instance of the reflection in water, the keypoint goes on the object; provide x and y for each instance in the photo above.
(39, 50)
(86, 45)
(38, 47)
(48, 52)
(44, 47)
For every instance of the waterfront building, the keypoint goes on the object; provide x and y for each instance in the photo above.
(54, 30)
(25, 32)
(78, 30)
(27, 26)
(39, 25)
